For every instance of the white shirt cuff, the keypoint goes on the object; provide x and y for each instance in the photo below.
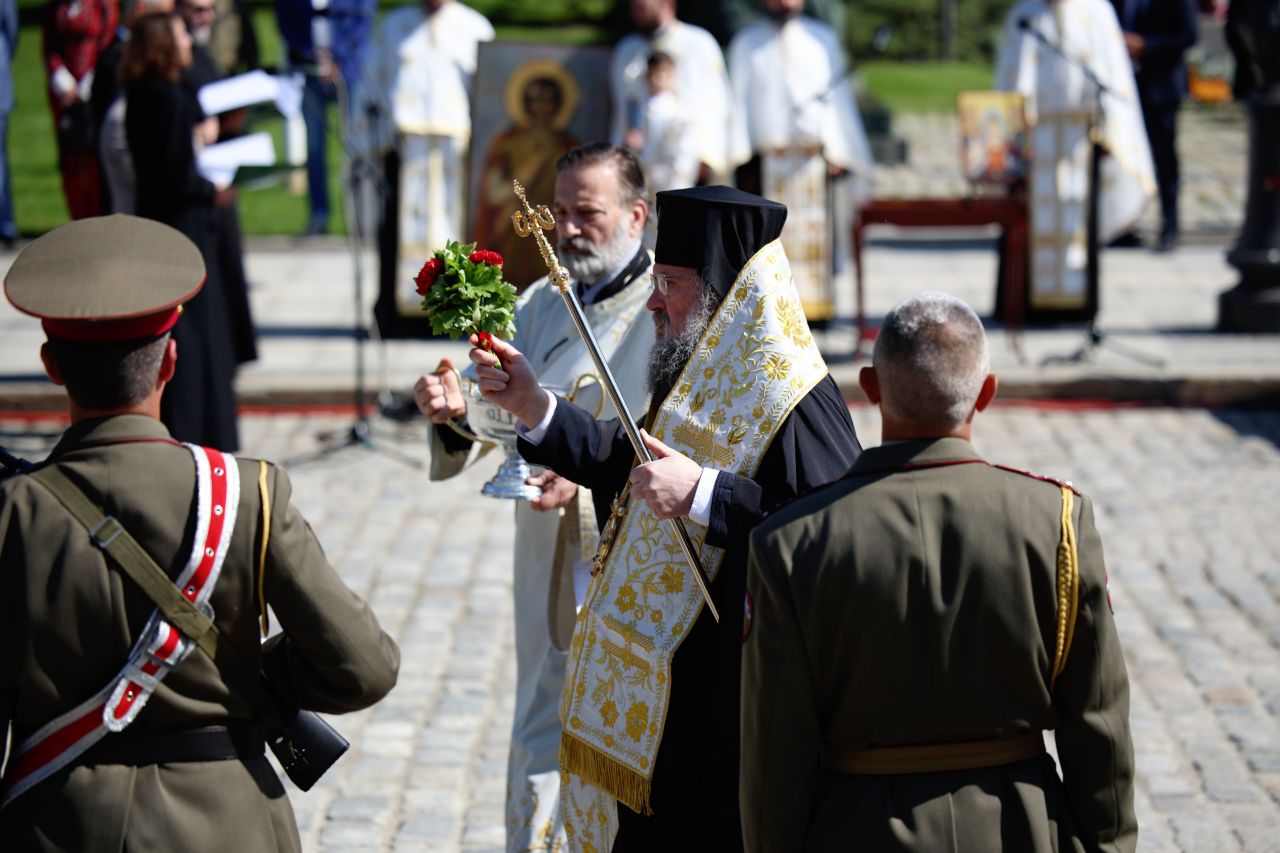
(700, 512)
(534, 435)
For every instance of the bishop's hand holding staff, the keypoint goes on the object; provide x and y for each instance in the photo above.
(743, 416)
(666, 484)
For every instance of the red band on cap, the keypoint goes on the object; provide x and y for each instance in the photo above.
(113, 331)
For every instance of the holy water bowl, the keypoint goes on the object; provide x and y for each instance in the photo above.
(495, 425)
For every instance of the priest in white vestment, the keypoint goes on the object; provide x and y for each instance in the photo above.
(1060, 103)
(701, 85)
(414, 102)
(600, 209)
(795, 126)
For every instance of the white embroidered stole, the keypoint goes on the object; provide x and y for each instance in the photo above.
(756, 361)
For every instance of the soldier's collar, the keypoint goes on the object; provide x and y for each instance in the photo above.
(926, 450)
(112, 429)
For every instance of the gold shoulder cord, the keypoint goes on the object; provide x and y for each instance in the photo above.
(262, 549)
(1068, 586)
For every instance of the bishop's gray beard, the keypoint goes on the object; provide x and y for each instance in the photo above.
(588, 263)
(671, 351)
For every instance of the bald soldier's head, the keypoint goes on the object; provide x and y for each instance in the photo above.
(930, 369)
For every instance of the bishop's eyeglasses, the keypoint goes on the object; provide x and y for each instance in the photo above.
(663, 281)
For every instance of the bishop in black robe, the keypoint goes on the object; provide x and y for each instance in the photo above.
(694, 788)
(695, 781)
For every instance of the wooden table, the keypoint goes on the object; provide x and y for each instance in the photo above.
(1007, 212)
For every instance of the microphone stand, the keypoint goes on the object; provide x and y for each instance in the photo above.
(357, 168)
(1094, 337)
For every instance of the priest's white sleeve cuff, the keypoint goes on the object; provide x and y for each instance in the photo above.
(534, 435)
(700, 512)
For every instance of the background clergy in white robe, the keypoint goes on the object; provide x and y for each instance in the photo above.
(794, 108)
(600, 210)
(415, 100)
(702, 86)
(1059, 103)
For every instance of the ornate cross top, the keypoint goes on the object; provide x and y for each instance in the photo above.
(535, 220)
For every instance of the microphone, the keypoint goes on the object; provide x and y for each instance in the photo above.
(1028, 26)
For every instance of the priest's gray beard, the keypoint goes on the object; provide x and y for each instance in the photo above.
(588, 263)
(671, 350)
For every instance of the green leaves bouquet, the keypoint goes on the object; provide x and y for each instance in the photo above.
(464, 294)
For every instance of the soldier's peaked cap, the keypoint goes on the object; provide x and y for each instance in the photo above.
(715, 230)
(106, 279)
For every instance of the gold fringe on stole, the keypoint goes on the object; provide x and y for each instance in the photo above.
(626, 785)
(1068, 586)
(262, 549)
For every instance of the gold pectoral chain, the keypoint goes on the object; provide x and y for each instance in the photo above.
(535, 220)
(617, 512)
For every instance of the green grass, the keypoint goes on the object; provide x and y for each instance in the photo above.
(923, 86)
(38, 204)
(276, 209)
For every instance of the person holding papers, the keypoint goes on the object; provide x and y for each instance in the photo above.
(199, 403)
(200, 17)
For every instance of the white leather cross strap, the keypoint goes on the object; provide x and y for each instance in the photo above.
(159, 648)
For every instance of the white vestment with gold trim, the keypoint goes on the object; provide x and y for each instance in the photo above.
(415, 94)
(794, 107)
(1059, 103)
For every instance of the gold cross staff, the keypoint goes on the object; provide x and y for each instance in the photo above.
(534, 221)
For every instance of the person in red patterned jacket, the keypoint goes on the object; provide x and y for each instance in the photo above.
(75, 32)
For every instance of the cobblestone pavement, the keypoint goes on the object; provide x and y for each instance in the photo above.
(1185, 500)
(1212, 152)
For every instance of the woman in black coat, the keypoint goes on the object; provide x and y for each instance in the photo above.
(199, 404)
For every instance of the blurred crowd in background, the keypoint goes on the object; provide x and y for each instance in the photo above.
(761, 96)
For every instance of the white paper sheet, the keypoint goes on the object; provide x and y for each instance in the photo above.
(219, 162)
(242, 90)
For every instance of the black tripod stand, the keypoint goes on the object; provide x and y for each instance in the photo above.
(359, 172)
(1094, 337)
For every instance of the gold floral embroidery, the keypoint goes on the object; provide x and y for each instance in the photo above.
(637, 716)
(791, 315)
(672, 579)
(626, 599)
(776, 367)
(742, 382)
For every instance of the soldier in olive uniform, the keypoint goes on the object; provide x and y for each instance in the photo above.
(916, 626)
(189, 772)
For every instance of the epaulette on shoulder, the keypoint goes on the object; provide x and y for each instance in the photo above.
(257, 465)
(1062, 484)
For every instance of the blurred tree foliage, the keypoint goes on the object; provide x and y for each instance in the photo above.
(916, 28)
(543, 12)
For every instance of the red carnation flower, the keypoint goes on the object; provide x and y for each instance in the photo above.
(427, 275)
(484, 256)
